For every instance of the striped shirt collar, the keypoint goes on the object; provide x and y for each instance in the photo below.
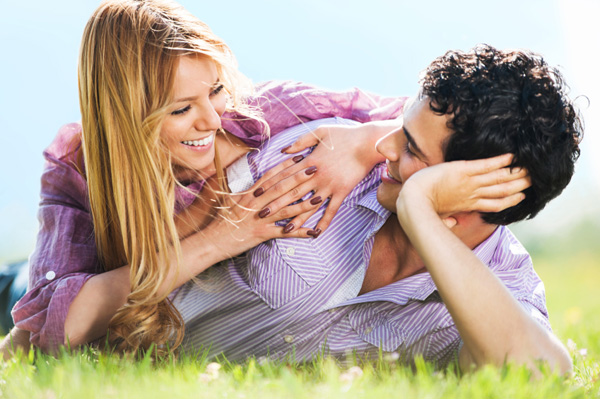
(421, 286)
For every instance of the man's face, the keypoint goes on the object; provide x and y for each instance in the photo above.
(412, 147)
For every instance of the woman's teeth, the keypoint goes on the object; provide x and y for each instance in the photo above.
(198, 143)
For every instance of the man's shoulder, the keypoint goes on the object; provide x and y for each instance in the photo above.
(503, 251)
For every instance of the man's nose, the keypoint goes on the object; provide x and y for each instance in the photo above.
(387, 146)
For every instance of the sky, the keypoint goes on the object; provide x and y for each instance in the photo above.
(377, 45)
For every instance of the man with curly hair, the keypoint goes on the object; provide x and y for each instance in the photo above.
(475, 105)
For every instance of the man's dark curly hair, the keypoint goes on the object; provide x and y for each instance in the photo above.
(507, 102)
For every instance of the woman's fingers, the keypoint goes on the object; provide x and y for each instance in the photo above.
(287, 191)
(332, 207)
(312, 205)
(306, 140)
(300, 213)
(276, 173)
(275, 231)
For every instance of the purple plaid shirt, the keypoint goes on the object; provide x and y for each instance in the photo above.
(65, 253)
(299, 297)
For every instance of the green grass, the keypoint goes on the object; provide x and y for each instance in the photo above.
(571, 275)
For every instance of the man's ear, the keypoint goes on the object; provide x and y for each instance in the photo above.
(471, 228)
(466, 219)
(450, 221)
(459, 219)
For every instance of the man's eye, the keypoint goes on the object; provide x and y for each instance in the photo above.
(181, 111)
(407, 149)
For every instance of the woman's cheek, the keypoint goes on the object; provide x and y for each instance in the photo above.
(221, 104)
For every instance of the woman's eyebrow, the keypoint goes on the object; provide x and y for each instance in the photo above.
(180, 100)
(192, 98)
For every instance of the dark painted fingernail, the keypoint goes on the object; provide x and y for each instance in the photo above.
(289, 227)
(316, 200)
(311, 170)
(298, 158)
(259, 191)
(314, 233)
(285, 149)
(264, 212)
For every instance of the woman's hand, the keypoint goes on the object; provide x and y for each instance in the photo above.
(243, 220)
(344, 155)
(484, 185)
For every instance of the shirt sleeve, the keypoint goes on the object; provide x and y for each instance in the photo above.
(64, 257)
(285, 104)
(528, 289)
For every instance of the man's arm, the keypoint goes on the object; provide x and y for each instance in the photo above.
(492, 324)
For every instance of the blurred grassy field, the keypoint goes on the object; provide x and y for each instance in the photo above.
(569, 267)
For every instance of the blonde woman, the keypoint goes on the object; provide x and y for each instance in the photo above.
(134, 200)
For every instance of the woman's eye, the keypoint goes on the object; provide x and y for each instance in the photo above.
(181, 110)
(216, 90)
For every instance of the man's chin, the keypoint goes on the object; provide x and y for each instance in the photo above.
(386, 196)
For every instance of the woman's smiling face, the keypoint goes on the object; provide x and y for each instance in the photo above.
(194, 116)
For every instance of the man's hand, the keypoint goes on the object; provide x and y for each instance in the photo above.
(484, 185)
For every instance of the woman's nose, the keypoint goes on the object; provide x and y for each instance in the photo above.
(208, 118)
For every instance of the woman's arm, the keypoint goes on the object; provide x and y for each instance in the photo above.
(64, 257)
(285, 104)
(15, 340)
(493, 326)
(67, 288)
(227, 235)
(345, 154)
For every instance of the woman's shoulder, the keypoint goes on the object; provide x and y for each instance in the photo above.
(66, 144)
(63, 179)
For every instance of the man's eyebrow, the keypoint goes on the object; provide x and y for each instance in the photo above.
(414, 145)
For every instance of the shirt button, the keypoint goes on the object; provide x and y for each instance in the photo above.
(290, 251)
(50, 275)
(332, 310)
(368, 330)
(288, 338)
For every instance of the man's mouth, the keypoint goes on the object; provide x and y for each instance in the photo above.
(388, 178)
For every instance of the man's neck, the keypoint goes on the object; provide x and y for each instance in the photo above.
(393, 257)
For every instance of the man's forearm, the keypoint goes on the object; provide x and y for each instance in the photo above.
(492, 324)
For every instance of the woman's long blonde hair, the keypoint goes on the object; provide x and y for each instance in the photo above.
(127, 64)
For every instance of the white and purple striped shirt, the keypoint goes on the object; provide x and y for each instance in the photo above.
(299, 297)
